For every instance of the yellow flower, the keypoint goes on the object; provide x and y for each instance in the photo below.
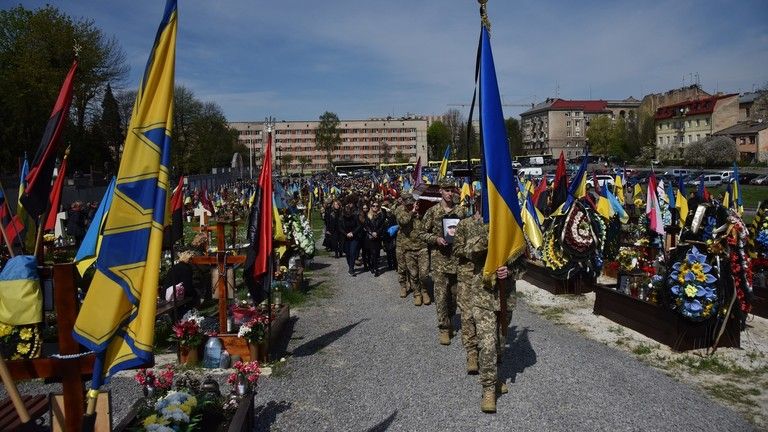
(5, 330)
(185, 408)
(25, 333)
(691, 290)
(22, 348)
(697, 267)
(700, 277)
(154, 419)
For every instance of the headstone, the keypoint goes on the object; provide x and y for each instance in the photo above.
(59, 229)
(202, 213)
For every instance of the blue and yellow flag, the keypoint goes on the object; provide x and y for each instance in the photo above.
(618, 188)
(444, 163)
(91, 245)
(117, 318)
(532, 218)
(29, 236)
(505, 239)
(736, 201)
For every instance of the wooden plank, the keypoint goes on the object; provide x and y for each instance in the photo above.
(9, 420)
(46, 367)
(243, 419)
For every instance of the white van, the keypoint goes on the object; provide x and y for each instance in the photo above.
(725, 176)
(530, 171)
(677, 172)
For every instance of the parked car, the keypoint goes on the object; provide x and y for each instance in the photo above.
(601, 180)
(760, 180)
(746, 178)
(710, 180)
(640, 177)
(676, 172)
(725, 176)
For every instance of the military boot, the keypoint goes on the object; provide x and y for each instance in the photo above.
(444, 337)
(403, 292)
(472, 367)
(501, 388)
(425, 297)
(416, 299)
(488, 403)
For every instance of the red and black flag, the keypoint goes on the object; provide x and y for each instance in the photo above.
(541, 195)
(205, 200)
(58, 185)
(559, 185)
(260, 232)
(38, 189)
(175, 231)
(595, 184)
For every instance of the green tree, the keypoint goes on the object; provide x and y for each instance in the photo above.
(438, 138)
(515, 136)
(285, 163)
(303, 162)
(599, 135)
(617, 146)
(36, 51)
(384, 152)
(400, 157)
(111, 131)
(327, 136)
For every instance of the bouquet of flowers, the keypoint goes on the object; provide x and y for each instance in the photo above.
(255, 330)
(173, 412)
(245, 373)
(163, 380)
(20, 342)
(692, 283)
(303, 235)
(187, 330)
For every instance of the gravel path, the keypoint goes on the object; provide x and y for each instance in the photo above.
(366, 360)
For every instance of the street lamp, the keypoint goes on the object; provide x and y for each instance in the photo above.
(250, 152)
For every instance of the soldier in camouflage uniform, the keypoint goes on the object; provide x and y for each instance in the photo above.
(415, 269)
(480, 305)
(444, 263)
(400, 242)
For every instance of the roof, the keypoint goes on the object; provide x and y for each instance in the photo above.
(691, 107)
(744, 128)
(748, 97)
(588, 106)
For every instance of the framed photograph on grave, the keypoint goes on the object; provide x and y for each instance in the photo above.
(449, 229)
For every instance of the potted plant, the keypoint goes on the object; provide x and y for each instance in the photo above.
(255, 333)
(189, 337)
(154, 383)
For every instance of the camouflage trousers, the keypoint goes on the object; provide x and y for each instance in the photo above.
(402, 272)
(445, 298)
(417, 267)
(488, 344)
(468, 325)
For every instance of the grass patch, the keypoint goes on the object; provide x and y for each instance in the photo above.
(554, 313)
(717, 365)
(734, 394)
(617, 330)
(642, 349)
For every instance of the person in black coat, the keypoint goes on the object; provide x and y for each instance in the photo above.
(76, 222)
(331, 219)
(388, 241)
(375, 228)
(349, 231)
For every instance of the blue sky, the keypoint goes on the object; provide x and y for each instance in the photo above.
(294, 59)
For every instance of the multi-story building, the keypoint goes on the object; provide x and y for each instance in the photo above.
(369, 142)
(686, 122)
(751, 139)
(558, 125)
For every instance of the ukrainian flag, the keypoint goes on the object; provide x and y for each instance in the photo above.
(117, 318)
(91, 244)
(505, 240)
(618, 188)
(444, 163)
(29, 237)
(681, 201)
(736, 201)
(532, 218)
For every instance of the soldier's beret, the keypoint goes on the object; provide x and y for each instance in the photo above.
(445, 183)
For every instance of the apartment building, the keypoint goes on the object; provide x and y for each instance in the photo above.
(370, 141)
(751, 137)
(686, 122)
(557, 125)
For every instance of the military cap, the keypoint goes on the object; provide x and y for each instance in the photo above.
(445, 183)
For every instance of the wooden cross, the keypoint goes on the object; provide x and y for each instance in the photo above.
(69, 371)
(220, 259)
(202, 213)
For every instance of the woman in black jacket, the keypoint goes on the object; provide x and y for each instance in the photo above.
(332, 215)
(349, 232)
(375, 228)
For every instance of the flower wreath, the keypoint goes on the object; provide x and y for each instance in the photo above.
(692, 285)
(20, 342)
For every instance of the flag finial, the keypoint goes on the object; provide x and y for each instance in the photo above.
(484, 15)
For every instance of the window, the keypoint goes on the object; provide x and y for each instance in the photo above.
(706, 122)
(567, 113)
(698, 122)
(577, 123)
(568, 133)
(577, 133)
(568, 123)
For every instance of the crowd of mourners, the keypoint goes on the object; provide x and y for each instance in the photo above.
(437, 243)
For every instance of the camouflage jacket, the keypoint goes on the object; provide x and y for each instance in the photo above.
(443, 259)
(471, 247)
(409, 224)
